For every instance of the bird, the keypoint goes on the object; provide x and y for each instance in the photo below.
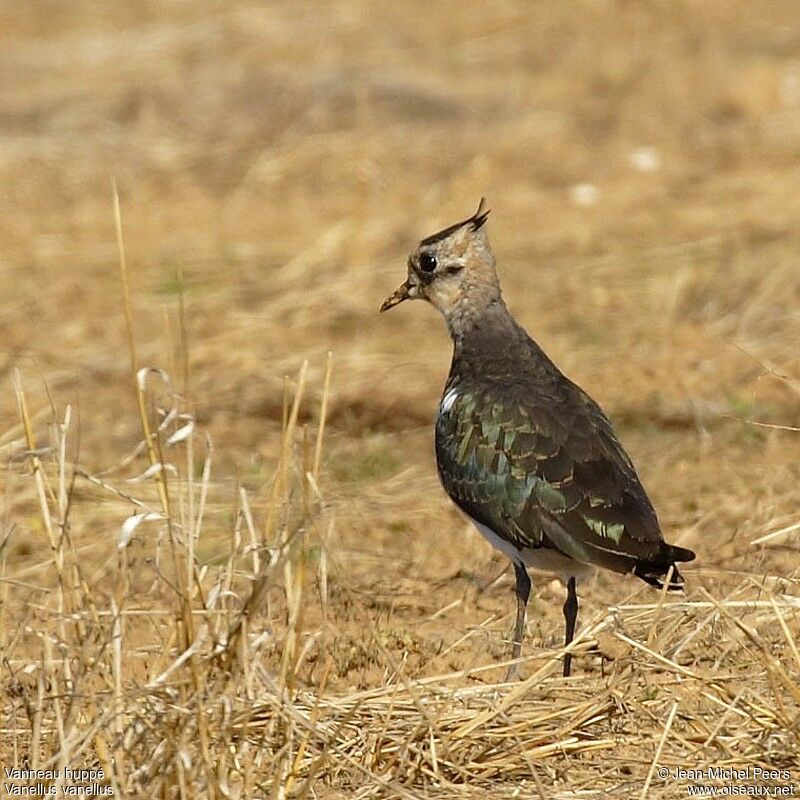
(524, 452)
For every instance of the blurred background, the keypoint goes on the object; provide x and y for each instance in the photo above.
(276, 162)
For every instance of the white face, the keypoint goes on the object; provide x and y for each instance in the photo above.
(444, 291)
(449, 266)
(435, 272)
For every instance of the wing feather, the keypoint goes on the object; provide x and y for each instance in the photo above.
(538, 478)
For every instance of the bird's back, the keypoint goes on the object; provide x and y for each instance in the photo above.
(525, 452)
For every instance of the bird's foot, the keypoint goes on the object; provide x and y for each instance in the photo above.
(567, 664)
(513, 673)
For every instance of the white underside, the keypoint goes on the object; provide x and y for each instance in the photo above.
(542, 558)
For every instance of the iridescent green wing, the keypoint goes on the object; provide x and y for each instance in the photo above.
(541, 467)
(498, 461)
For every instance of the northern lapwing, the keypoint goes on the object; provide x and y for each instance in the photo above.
(524, 452)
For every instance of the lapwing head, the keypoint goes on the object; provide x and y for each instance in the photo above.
(451, 268)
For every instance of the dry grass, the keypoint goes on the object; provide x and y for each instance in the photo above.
(289, 607)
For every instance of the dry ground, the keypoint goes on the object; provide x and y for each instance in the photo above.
(320, 622)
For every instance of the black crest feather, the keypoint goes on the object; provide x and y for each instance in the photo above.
(479, 217)
(477, 221)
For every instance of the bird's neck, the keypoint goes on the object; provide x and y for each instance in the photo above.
(479, 323)
(489, 345)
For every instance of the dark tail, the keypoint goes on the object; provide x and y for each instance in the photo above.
(656, 573)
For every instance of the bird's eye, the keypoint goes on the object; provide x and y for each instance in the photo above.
(427, 262)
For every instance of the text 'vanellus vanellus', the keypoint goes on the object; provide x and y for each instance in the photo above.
(526, 454)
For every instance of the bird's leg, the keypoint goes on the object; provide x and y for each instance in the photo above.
(570, 617)
(523, 592)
